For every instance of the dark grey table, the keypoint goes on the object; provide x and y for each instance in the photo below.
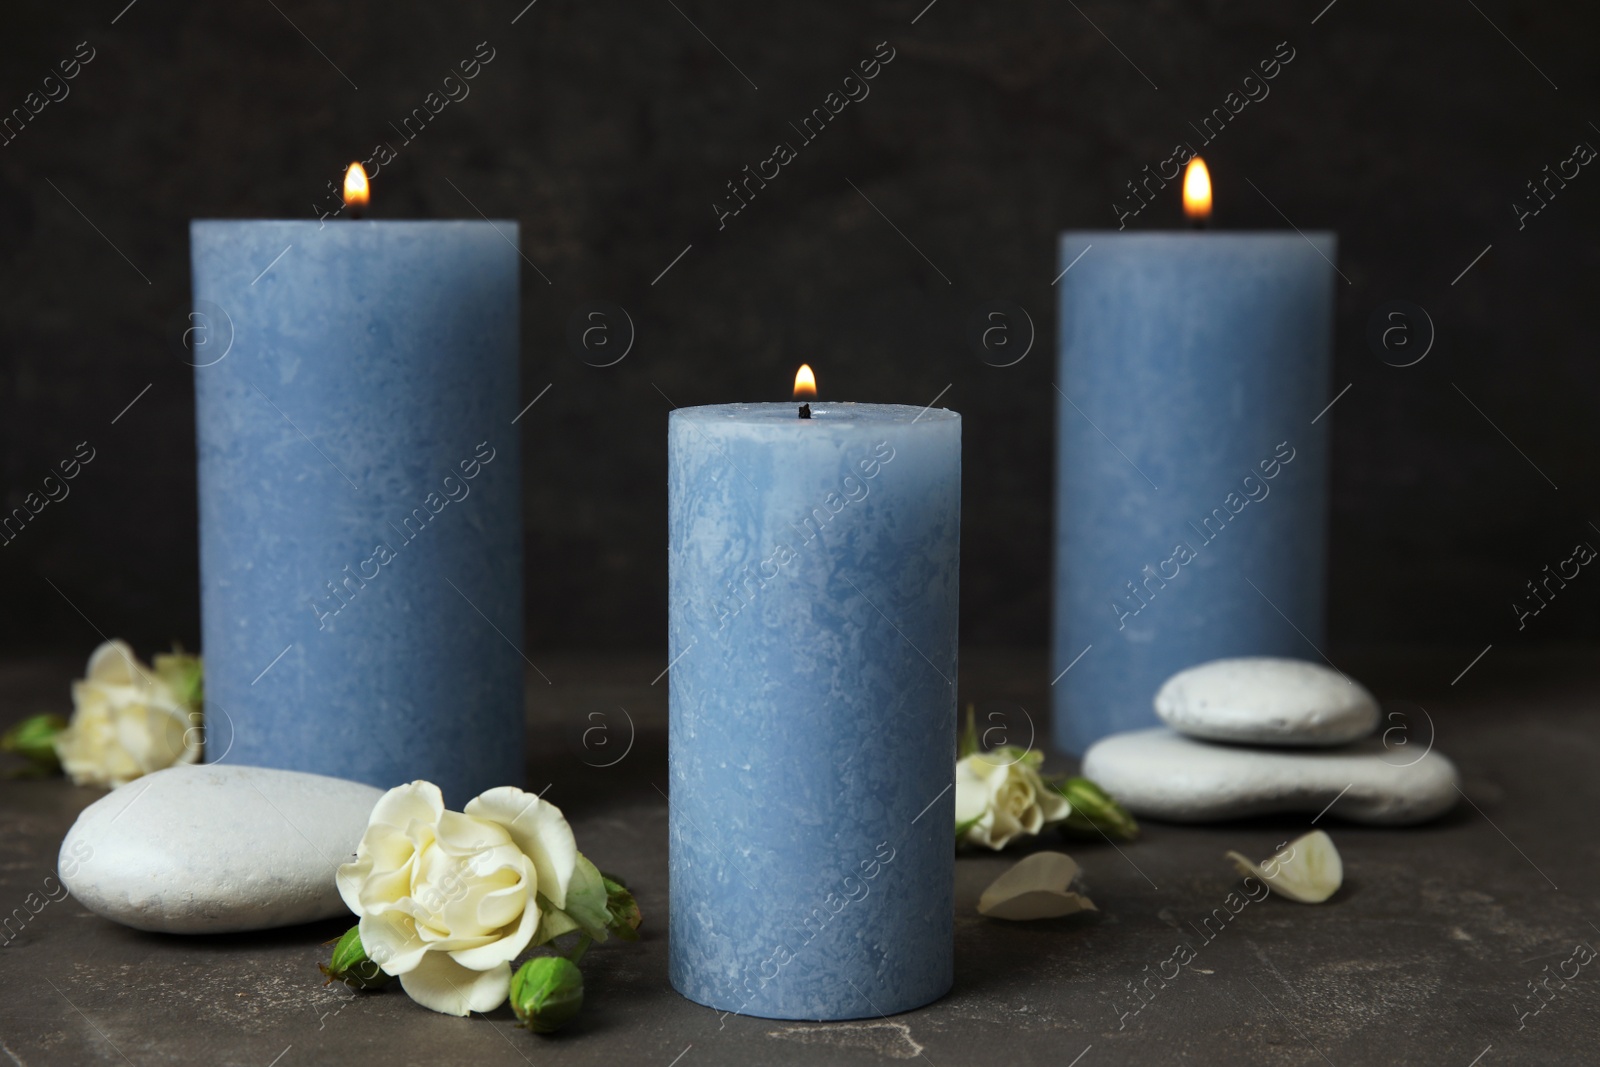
(1425, 957)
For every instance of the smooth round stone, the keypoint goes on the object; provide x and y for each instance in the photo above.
(216, 848)
(1262, 700)
(1164, 775)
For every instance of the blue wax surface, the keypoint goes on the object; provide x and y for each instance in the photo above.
(812, 622)
(1192, 484)
(360, 498)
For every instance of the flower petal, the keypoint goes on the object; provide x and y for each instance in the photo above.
(980, 765)
(349, 878)
(498, 908)
(506, 948)
(1307, 870)
(459, 900)
(417, 801)
(1035, 888)
(391, 941)
(1001, 827)
(387, 847)
(464, 835)
(539, 830)
(972, 796)
(440, 983)
(1054, 806)
(115, 664)
(150, 733)
(453, 943)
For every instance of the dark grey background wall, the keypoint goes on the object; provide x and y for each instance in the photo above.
(610, 129)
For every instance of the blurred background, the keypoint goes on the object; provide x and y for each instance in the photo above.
(611, 131)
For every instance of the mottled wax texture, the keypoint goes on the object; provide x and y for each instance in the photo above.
(360, 516)
(1192, 485)
(812, 620)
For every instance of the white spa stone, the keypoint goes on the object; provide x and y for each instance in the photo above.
(216, 848)
(1262, 700)
(1164, 775)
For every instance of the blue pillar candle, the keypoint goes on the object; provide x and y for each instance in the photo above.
(1192, 481)
(360, 498)
(812, 624)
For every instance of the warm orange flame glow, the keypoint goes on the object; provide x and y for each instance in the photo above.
(356, 193)
(805, 383)
(1197, 190)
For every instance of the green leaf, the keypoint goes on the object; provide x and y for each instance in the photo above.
(585, 910)
(968, 743)
(963, 827)
(553, 923)
(34, 740)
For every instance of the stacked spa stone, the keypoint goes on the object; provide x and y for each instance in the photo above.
(1258, 735)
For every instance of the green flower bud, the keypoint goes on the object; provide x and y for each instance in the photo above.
(622, 909)
(546, 993)
(34, 740)
(351, 966)
(1093, 811)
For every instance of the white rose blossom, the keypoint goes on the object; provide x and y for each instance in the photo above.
(448, 899)
(127, 721)
(1000, 795)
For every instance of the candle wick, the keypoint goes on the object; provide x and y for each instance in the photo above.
(805, 411)
(354, 209)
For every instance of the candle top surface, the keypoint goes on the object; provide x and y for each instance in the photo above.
(352, 225)
(821, 411)
(1211, 236)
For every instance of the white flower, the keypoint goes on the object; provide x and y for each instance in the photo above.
(127, 721)
(1000, 795)
(448, 899)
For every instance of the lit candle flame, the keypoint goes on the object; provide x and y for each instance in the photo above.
(1197, 190)
(805, 383)
(356, 192)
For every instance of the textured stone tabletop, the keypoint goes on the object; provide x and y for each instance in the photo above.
(1424, 957)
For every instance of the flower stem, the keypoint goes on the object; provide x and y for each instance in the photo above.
(584, 941)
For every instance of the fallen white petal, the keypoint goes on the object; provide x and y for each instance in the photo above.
(1308, 869)
(1035, 888)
